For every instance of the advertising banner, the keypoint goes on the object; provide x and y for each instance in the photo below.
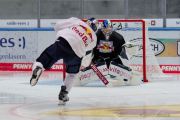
(48, 23)
(25, 67)
(172, 22)
(154, 22)
(18, 23)
(18, 46)
(24, 46)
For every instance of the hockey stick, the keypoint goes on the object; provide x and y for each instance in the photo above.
(99, 74)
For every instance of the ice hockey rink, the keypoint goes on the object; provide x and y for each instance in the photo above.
(149, 101)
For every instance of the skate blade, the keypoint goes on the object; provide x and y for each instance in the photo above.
(33, 82)
(61, 102)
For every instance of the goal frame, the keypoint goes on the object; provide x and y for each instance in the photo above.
(143, 23)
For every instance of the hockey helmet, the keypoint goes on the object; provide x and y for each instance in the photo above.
(106, 24)
(93, 24)
(107, 27)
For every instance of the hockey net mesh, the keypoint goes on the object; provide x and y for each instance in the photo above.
(141, 56)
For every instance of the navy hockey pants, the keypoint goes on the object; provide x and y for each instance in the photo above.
(60, 50)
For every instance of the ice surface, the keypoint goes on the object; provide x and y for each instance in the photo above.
(150, 101)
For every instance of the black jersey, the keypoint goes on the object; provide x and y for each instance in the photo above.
(108, 47)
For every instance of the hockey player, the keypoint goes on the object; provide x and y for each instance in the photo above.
(109, 48)
(75, 39)
(109, 44)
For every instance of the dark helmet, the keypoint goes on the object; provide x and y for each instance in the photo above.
(94, 24)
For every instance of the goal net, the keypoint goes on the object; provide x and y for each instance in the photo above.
(141, 56)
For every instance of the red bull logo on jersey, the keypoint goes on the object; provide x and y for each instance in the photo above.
(83, 35)
(105, 46)
(88, 31)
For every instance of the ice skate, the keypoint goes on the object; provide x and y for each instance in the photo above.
(35, 76)
(63, 98)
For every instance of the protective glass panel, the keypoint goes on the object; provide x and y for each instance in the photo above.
(56, 9)
(18, 9)
(104, 8)
(172, 8)
(145, 8)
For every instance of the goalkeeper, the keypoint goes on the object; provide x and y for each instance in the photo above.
(109, 45)
(107, 55)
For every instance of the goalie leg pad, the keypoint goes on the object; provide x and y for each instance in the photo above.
(120, 71)
(88, 75)
(124, 74)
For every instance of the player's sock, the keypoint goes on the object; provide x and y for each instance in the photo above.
(37, 71)
(63, 95)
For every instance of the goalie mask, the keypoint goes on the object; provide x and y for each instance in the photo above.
(107, 27)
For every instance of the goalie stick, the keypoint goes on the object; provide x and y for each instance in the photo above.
(99, 74)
